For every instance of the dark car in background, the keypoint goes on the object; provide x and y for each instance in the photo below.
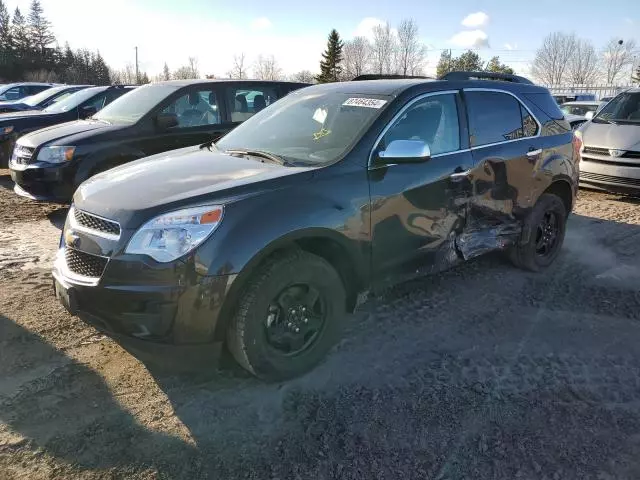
(152, 119)
(41, 100)
(267, 238)
(81, 104)
(15, 91)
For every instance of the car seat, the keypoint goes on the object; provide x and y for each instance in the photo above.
(259, 103)
(193, 115)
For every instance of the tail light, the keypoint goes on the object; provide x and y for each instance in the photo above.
(577, 145)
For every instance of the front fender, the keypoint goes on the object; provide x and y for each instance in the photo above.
(253, 228)
(101, 158)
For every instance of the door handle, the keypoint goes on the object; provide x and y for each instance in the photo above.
(459, 176)
(534, 153)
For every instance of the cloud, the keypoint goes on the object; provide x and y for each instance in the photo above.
(471, 39)
(629, 21)
(511, 46)
(477, 19)
(262, 23)
(366, 26)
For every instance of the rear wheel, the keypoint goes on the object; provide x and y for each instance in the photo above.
(289, 316)
(542, 235)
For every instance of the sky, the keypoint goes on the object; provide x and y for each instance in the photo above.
(295, 32)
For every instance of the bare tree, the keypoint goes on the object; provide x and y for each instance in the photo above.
(616, 56)
(188, 71)
(357, 56)
(304, 76)
(384, 44)
(239, 71)
(583, 64)
(550, 62)
(410, 51)
(126, 76)
(267, 68)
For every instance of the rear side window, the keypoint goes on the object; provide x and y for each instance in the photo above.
(546, 103)
(493, 117)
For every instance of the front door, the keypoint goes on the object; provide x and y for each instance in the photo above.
(417, 208)
(200, 119)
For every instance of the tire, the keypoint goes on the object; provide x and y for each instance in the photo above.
(254, 335)
(527, 253)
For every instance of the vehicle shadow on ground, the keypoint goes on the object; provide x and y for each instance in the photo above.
(58, 217)
(414, 390)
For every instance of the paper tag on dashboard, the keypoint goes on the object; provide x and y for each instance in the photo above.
(365, 102)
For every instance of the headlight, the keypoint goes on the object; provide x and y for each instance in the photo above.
(175, 234)
(56, 154)
(6, 130)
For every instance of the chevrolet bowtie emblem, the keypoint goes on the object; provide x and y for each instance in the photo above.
(71, 239)
(616, 153)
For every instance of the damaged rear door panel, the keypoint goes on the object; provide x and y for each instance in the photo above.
(507, 153)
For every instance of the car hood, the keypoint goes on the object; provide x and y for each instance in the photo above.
(133, 193)
(11, 116)
(608, 135)
(56, 132)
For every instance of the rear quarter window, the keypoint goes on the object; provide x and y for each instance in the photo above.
(546, 103)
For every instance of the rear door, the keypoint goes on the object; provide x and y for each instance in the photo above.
(505, 142)
(245, 100)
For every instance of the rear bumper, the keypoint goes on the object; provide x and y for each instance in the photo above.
(43, 183)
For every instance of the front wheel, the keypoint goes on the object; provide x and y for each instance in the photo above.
(289, 316)
(543, 234)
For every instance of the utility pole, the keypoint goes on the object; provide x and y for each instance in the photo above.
(137, 75)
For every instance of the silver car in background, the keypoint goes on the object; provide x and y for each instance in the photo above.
(577, 113)
(610, 152)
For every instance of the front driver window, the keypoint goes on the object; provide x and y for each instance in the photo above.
(433, 120)
(195, 108)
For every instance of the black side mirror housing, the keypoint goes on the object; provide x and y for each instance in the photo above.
(88, 111)
(165, 121)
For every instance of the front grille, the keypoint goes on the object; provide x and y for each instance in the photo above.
(22, 155)
(605, 152)
(98, 224)
(84, 264)
(610, 162)
(597, 177)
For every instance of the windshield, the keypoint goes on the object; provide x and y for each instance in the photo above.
(307, 126)
(569, 109)
(625, 108)
(132, 106)
(73, 100)
(43, 96)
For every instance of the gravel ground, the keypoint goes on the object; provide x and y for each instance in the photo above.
(482, 372)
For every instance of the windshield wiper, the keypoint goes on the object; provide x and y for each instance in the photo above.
(257, 153)
(605, 120)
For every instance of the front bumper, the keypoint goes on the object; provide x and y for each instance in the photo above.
(605, 174)
(43, 182)
(152, 304)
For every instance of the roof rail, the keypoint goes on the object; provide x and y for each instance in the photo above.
(375, 76)
(118, 85)
(504, 77)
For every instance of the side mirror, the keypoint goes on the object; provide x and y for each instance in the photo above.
(88, 111)
(406, 151)
(588, 115)
(165, 121)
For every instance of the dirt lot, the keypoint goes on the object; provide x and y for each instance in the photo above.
(482, 372)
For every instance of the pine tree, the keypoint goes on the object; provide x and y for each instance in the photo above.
(19, 35)
(330, 68)
(469, 61)
(39, 28)
(445, 64)
(495, 66)
(6, 56)
(144, 78)
(166, 74)
(100, 70)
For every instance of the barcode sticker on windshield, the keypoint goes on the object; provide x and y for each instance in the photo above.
(365, 102)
